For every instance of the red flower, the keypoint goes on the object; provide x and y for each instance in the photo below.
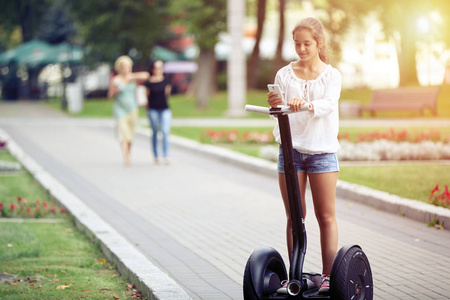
(12, 207)
(45, 204)
(436, 188)
(446, 192)
(19, 199)
(1, 206)
(52, 209)
(37, 202)
(63, 210)
(28, 210)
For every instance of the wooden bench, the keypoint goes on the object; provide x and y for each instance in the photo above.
(403, 99)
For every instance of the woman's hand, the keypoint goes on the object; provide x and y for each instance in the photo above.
(274, 99)
(296, 103)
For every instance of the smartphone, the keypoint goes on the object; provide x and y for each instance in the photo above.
(275, 88)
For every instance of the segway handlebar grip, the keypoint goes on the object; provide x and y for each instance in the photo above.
(276, 111)
(257, 109)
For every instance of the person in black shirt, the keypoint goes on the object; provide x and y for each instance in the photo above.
(158, 110)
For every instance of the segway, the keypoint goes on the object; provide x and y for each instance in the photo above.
(351, 276)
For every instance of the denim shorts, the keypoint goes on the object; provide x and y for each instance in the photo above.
(311, 163)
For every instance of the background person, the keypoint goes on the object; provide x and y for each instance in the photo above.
(314, 134)
(158, 109)
(123, 89)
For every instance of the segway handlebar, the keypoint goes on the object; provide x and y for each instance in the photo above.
(284, 110)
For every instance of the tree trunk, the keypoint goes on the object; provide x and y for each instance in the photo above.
(279, 52)
(253, 63)
(407, 59)
(25, 18)
(205, 77)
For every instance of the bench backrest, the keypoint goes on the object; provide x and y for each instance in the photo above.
(423, 96)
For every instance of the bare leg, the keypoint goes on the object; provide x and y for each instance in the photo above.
(284, 195)
(126, 147)
(323, 188)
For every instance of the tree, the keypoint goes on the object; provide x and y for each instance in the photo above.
(341, 15)
(253, 62)
(56, 26)
(279, 52)
(111, 28)
(25, 14)
(204, 19)
(400, 18)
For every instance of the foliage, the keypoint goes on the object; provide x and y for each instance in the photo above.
(441, 199)
(436, 223)
(204, 19)
(400, 18)
(111, 28)
(56, 26)
(25, 14)
(340, 16)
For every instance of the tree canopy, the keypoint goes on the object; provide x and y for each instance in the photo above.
(402, 19)
(116, 27)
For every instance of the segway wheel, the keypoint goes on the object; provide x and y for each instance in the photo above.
(351, 276)
(263, 274)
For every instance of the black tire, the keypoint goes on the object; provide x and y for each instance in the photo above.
(351, 276)
(263, 274)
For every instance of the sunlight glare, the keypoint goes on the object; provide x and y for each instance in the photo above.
(423, 25)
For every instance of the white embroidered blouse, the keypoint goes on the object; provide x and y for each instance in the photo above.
(312, 132)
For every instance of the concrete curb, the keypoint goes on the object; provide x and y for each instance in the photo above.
(151, 281)
(416, 210)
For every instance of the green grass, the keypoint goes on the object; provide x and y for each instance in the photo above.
(181, 105)
(52, 260)
(412, 181)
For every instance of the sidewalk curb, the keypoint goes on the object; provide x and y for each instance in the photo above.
(148, 279)
(415, 210)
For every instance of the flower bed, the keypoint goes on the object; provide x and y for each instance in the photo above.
(24, 208)
(371, 146)
(440, 199)
(380, 150)
(236, 137)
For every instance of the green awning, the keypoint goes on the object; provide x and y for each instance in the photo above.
(38, 53)
(34, 48)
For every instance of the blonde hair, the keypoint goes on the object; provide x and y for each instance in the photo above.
(121, 60)
(316, 29)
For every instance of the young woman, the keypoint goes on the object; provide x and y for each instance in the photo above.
(123, 89)
(158, 110)
(314, 134)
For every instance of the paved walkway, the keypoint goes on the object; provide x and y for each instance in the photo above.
(199, 218)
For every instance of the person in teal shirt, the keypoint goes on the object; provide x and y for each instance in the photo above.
(123, 89)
